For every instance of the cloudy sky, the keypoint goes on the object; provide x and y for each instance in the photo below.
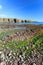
(23, 9)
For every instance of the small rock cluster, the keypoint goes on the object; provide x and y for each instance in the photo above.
(17, 36)
(7, 57)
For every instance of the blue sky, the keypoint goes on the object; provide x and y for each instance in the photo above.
(22, 9)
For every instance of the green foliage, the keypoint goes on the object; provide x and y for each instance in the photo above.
(38, 43)
(37, 38)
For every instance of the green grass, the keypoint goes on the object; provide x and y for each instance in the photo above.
(34, 40)
(15, 45)
(38, 40)
(3, 34)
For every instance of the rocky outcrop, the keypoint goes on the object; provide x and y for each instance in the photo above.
(13, 20)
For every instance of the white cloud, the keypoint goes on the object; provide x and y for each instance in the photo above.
(3, 15)
(0, 6)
